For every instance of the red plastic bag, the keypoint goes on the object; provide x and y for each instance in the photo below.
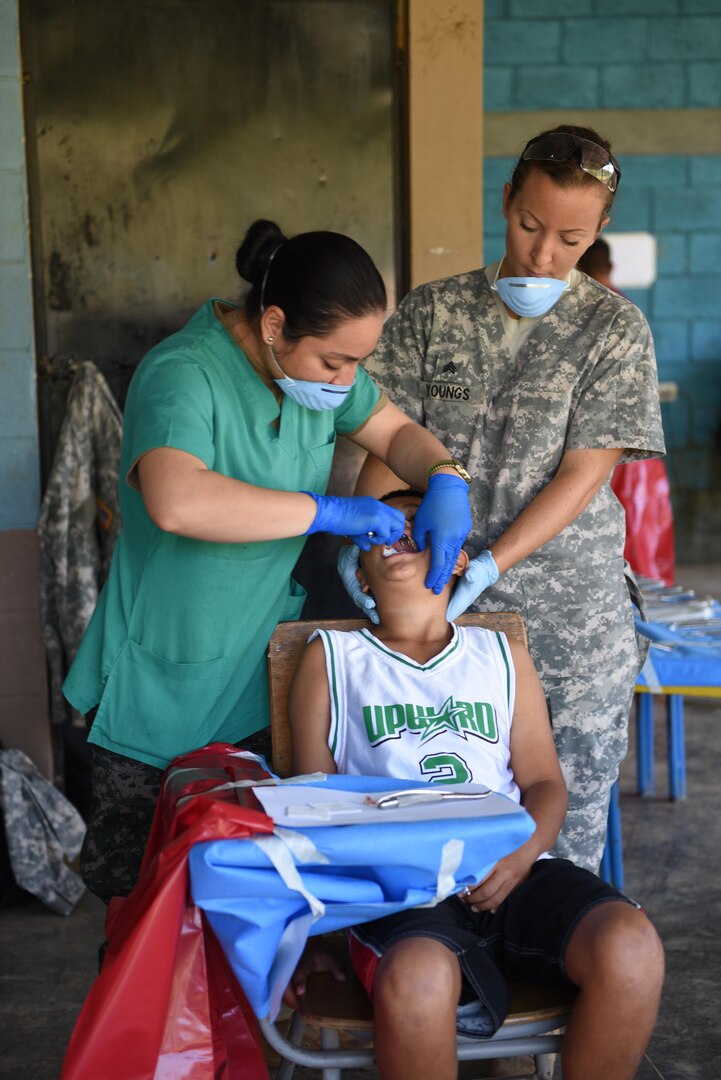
(643, 490)
(209, 1028)
(165, 1005)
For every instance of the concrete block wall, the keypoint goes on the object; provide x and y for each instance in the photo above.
(601, 57)
(24, 723)
(19, 469)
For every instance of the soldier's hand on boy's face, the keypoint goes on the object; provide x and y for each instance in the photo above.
(508, 872)
(480, 574)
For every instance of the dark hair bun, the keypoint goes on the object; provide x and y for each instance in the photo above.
(317, 279)
(259, 243)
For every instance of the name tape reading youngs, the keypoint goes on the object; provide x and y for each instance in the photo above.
(443, 391)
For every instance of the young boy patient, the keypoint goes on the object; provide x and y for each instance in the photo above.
(419, 698)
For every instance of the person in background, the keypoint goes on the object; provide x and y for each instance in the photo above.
(531, 918)
(228, 437)
(540, 381)
(596, 262)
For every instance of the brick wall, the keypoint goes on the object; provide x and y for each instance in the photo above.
(19, 474)
(24, 721)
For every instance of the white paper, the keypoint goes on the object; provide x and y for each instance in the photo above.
(633, 259)
(296, 805)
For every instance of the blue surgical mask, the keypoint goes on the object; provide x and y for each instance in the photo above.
(528, 297)
(311, 395)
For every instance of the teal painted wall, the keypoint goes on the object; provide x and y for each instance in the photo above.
(637, 54)
(19, 460)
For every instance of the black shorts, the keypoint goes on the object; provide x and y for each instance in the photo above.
(525, 939)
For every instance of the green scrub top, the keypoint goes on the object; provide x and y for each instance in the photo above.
(174, 655)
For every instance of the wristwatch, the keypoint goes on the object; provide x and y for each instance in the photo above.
(448, 463)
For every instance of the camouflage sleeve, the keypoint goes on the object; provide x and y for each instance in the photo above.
(44, 833)
(397, 363)
(619, 405)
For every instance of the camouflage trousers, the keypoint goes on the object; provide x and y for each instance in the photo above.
(125, 793)
(591, 736)
(582, 638)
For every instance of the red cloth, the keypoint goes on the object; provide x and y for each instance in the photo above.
(166, 1004)
(643, 489)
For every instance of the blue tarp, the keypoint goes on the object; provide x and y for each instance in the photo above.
(345, 874)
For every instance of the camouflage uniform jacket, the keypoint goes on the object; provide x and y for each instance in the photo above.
(79, 522)
(44, 832)
(585, 378)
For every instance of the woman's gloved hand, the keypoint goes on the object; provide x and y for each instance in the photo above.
(443, 519)
(365, 520)
(348, 563)
(482, 572)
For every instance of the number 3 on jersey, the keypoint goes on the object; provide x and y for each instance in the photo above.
(445, 769)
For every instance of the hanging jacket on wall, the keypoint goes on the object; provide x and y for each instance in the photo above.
(79, 523)
(44, 832)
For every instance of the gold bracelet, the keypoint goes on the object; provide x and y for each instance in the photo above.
(450, 463)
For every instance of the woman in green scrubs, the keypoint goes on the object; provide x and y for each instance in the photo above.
(228, 439)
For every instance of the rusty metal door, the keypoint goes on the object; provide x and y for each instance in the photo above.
(157, 130)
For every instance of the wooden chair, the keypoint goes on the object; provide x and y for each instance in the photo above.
(537, 1015)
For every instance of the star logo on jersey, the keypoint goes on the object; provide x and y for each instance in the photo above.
(446, 719)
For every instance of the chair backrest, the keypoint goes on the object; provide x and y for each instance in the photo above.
(289, 640)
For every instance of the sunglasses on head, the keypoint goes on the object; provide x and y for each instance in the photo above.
(593, 159)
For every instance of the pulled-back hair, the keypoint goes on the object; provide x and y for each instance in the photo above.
(318, 279)
(401, 493)
(567, 173)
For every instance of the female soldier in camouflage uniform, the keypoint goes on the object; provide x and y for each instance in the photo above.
(539, 404)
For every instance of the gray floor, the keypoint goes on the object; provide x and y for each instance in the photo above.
(673, 867)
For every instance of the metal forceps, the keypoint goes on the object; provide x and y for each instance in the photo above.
(394, 800)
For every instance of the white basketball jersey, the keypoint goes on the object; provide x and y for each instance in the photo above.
(447, 721)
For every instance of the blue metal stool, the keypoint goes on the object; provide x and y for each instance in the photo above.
(676, 745)
(612, 861)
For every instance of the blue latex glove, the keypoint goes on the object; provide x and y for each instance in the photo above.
(443, 519)
(365, 520)
(348, 563)
(482, 572)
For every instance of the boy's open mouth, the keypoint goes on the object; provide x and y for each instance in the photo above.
(405, 546)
